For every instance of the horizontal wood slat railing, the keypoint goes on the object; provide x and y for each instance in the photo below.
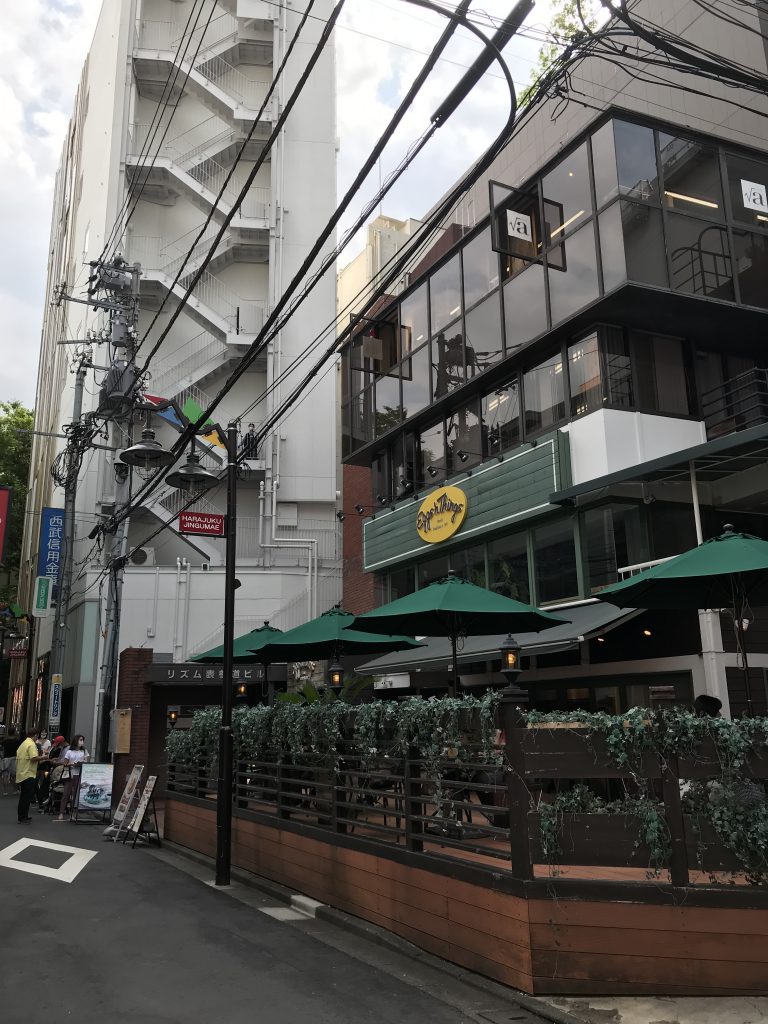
(487, 808)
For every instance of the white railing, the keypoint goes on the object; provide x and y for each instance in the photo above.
(175, 501)
(169, 35)
(626, 571)
(204, 350)
(294, 612)
(328, 536)
(215, 70)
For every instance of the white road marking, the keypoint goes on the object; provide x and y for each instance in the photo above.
(68, 871)
(283, 914)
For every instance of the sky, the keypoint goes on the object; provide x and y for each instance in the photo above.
(380, 46)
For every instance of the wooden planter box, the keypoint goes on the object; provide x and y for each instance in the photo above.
(605, 840)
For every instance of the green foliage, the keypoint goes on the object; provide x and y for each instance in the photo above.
(565, 27)
(15, 454)
(735, 807)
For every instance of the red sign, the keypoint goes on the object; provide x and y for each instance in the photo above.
(202, 523)
(5, 511)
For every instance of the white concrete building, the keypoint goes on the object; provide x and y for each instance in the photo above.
(220, 69)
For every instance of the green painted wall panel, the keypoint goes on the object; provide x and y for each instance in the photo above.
(499, 495)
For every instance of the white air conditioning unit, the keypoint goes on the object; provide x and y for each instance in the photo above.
(142, 556)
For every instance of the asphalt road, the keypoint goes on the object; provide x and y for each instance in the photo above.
(141, 937)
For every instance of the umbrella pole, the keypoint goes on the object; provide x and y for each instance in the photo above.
(453, 689)
(745, 667)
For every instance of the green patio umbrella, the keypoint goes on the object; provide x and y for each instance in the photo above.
(248, 648)
(729, 571)
(329, 636)
(454, 607)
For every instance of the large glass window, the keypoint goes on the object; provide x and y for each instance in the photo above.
(632, 245)
(432, 451)
(661, 377)
(544, 394)
(555, 562)
(525, 307)
(447, 361)
(481, 268)
(401, 583)
(748, 188)
(567, 198)
(501, 418)
(752, 267)
(414, 326)
(617, 368)
(612, 538)
(445, 295)
(624, 162)
(584, 376)
(691, 176)
(470, 564)
(508, 567)
(415, 374)
(700, 258)
(432, 570)
(483, 336)
(361, 418)
(463, 436)
(387, 404)
(573, 280)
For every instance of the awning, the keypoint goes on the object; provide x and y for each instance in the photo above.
(713, 460)
(587, 620)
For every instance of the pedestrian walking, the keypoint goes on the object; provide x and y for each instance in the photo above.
(27, 760)
(72, 758)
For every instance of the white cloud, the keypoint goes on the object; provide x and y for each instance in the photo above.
(42, 48)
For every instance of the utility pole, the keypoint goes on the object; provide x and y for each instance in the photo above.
(224, 794)
(123, 282)
(58, 647)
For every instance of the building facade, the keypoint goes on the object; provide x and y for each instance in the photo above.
(587, 366)
(162, 113)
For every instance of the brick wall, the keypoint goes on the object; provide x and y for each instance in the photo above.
(134, 693)
(358, 586)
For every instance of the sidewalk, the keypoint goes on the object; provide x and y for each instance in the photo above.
(661, 1010)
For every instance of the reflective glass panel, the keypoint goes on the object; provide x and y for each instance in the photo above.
(415, 374)
(387, 404)
(508, 567)
(632, 245)
(617, 368)
(525, 307)
(748, 188)
(501, 418)
(470, 564)
(544, 394)
(434, 569)
(700, 258)
(483, 336)
(691, 176)
(555, 562)
(567, 199)
(575, 284)
(584, 376)
(636, 162)
(604, 164)
(361, 418)
(447, 361)
(401, 583)
(611, 538)
(344, 374)
(480, 267)
(464, 438)
(414, 327)
(661, 374)
(432, 451)
(752, 267)
(445, 295)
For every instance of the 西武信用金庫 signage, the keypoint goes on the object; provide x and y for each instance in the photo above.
(51, 538)
(441, 514)
(205, 524)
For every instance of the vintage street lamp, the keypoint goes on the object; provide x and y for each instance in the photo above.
(147, 453)
(510, 669)
(192, 478)
(173, 717)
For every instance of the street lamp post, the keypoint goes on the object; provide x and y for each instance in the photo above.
(224, 799)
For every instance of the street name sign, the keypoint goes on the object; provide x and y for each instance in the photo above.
(205, 524)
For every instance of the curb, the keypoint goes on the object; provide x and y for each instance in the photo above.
(381, 937)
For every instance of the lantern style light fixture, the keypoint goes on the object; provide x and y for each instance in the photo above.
(192, 478)
(147, 453)
(173, 717)
(335, 675)
(241, 690)
(510, 657)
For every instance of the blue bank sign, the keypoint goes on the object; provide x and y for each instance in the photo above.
(51, 540)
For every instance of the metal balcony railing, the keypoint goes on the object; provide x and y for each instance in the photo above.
(205, 351)
(736, 404)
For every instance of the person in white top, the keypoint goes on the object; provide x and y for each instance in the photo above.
(44, 743)
(72, 758)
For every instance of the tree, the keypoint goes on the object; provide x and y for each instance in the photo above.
(15, 456)
(565, 25)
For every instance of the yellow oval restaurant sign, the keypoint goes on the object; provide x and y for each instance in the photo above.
(441, 514)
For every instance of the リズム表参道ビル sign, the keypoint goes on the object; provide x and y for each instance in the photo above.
(206, 524)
